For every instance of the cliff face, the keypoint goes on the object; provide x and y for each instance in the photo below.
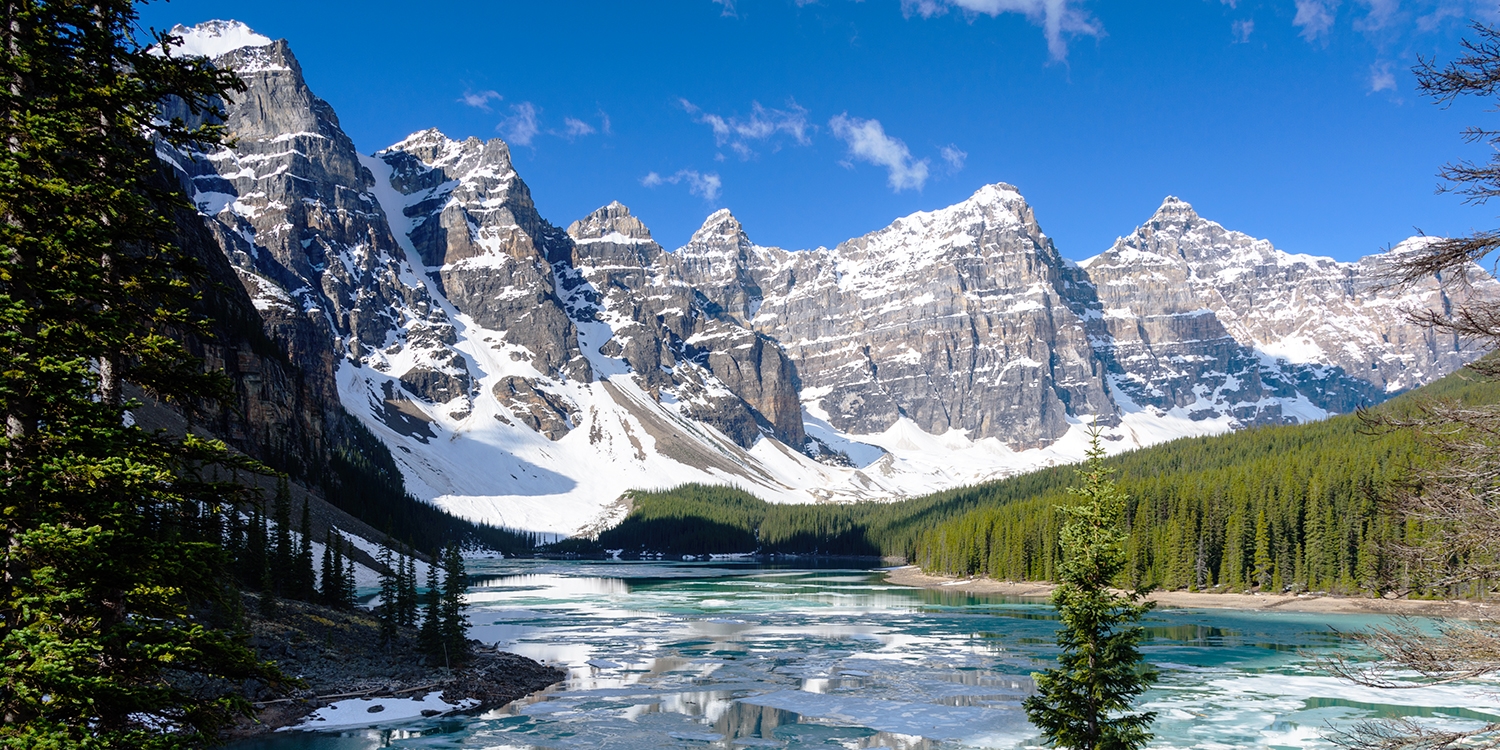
(468, 222)
(1212, 321)
(663, 329)
(527, 375)
(961, 319)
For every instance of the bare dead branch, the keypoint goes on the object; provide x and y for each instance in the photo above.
(1405, 734)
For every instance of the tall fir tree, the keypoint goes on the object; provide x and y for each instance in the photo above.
(328, 582)
(349, 596)
(406, 591)
(390, 585)
(1084, 702)
(1264, 565)
(430, 635)
(253, 573)
(306, 581)
(453, 625)
(283, 558)
(97, 648)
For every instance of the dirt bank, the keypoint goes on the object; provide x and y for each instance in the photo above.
(338, 654)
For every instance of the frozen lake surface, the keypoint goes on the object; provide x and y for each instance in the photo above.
(725, 655)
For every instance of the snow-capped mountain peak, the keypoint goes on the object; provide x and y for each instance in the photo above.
(213, 39)
(527, 375)
(611, 223)
(719, 229)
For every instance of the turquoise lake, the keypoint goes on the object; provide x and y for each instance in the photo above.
(730, 655)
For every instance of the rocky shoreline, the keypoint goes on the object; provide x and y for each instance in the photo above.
(1312, 603)
(338, 655)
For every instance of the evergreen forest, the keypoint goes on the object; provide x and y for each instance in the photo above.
(1278, 508)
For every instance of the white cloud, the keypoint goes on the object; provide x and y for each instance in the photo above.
(604, 123)
(728, 8)
(480, 99)
(706, 186)
(1056, 17)
(738, 133)
(1459, 11)
(869, 143)
(954, 156)
(1382, 13)
(1381, 77)
(574, 128)
(1243, 30)
(521, 127)
(1315, 17)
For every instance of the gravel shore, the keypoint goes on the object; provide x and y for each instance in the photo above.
(1314, 603)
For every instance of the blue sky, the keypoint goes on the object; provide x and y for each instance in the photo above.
(820, 120)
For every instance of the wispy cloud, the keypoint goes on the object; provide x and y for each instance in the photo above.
(1315, 18)
(1058, 18)
(1243, 30)
(521, 127)
(480, 99)
(576, 128)
(763, 124)
(728, 8)
(705, 186)
(954, 156)
(1382, 13)
(1381, 77)
(868, 143)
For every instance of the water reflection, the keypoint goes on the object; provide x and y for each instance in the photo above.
(733, 655)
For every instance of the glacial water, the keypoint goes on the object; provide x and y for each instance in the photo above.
(726, 655)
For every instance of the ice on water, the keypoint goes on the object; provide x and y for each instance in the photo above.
(733, 655)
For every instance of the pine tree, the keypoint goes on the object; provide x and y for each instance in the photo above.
(349, 596)
(328, 582)
(406, 592)
(453, 626)
(283, 560)
(390, 614)
(256, 559)
(1081, 703)
(336, 586)
(306, 582)
(430, 636)
(97, 648)
(1262, 572)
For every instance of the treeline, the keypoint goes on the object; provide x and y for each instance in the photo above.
(1278, 508)
(697, 519)
(267, 554)
(444, 631)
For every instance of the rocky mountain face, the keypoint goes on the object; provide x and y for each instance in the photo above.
(1197, 317)
(527, 375)
(961, 319)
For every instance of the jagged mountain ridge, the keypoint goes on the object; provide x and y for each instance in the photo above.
(525, 374)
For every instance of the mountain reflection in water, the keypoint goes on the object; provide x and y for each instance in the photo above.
(721, 655)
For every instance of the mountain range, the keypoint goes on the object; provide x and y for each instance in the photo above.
(527, 374)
